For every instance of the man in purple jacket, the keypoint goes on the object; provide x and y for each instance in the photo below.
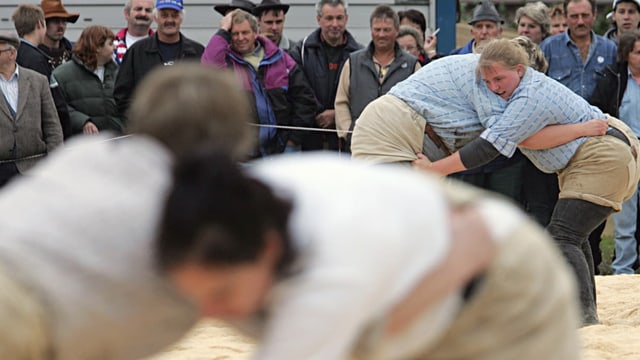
(281, 94)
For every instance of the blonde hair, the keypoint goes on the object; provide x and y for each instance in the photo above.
(512, 52)
(188, 106)
(536, 56)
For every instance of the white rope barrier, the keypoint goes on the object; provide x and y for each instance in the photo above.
(299, 128)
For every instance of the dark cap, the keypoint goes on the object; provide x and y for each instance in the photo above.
(245, 5)
(55, 9)
(10, 37)
(485, 10)
(270, 5)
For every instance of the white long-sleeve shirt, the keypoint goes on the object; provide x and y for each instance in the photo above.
(365, 236)
(78, 231)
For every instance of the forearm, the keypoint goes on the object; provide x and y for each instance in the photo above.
(445, 166)
(474, 154)
(449, 165)
(343, 113)
(303, 103)
(556, 135)
(216, 50)
(78, 118)
(51, 128)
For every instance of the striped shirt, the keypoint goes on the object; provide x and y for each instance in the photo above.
(442, 93)
(9, 89)
(453, 99)
(538, 101)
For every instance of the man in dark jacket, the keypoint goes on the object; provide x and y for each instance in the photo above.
(280, 92)
(30, 25)
(321, 55)
(164, 48)
(369, 73)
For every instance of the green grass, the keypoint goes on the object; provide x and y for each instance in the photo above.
(606, 247)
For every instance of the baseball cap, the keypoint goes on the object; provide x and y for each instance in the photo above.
(169, 4)
(616, 2)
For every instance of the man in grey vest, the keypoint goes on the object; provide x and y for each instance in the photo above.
(370, 72)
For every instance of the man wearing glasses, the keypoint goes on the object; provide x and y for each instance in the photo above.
(29, 125)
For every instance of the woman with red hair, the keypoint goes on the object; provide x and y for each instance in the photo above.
(87, 83)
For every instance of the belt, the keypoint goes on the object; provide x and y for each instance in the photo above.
(620, 136)
(428, 130)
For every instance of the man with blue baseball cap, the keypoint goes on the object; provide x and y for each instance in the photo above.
(165, 47)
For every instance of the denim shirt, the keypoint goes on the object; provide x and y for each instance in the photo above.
(566, 66)
(630, 106)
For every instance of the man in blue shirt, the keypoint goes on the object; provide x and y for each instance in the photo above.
(577, 58)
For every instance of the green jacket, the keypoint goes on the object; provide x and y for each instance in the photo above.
(88, 99)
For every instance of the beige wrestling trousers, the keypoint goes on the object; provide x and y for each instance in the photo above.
(524, 308)
(604, 170)
(23, 323)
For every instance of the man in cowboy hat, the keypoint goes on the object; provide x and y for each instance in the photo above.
(54, 43)
(270, 14)
(245, 5)
(486, 24)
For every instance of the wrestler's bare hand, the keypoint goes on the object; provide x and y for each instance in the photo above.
(422, 162)
(594, 127)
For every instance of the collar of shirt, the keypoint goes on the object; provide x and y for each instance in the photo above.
(568, 40)
(631, 76)
(255, 57)
(15, 75)
(344, 39)
(28, 42)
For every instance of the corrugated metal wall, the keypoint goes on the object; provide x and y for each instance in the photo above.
(201, 21)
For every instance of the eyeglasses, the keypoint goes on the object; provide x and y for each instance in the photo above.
(5, 50)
